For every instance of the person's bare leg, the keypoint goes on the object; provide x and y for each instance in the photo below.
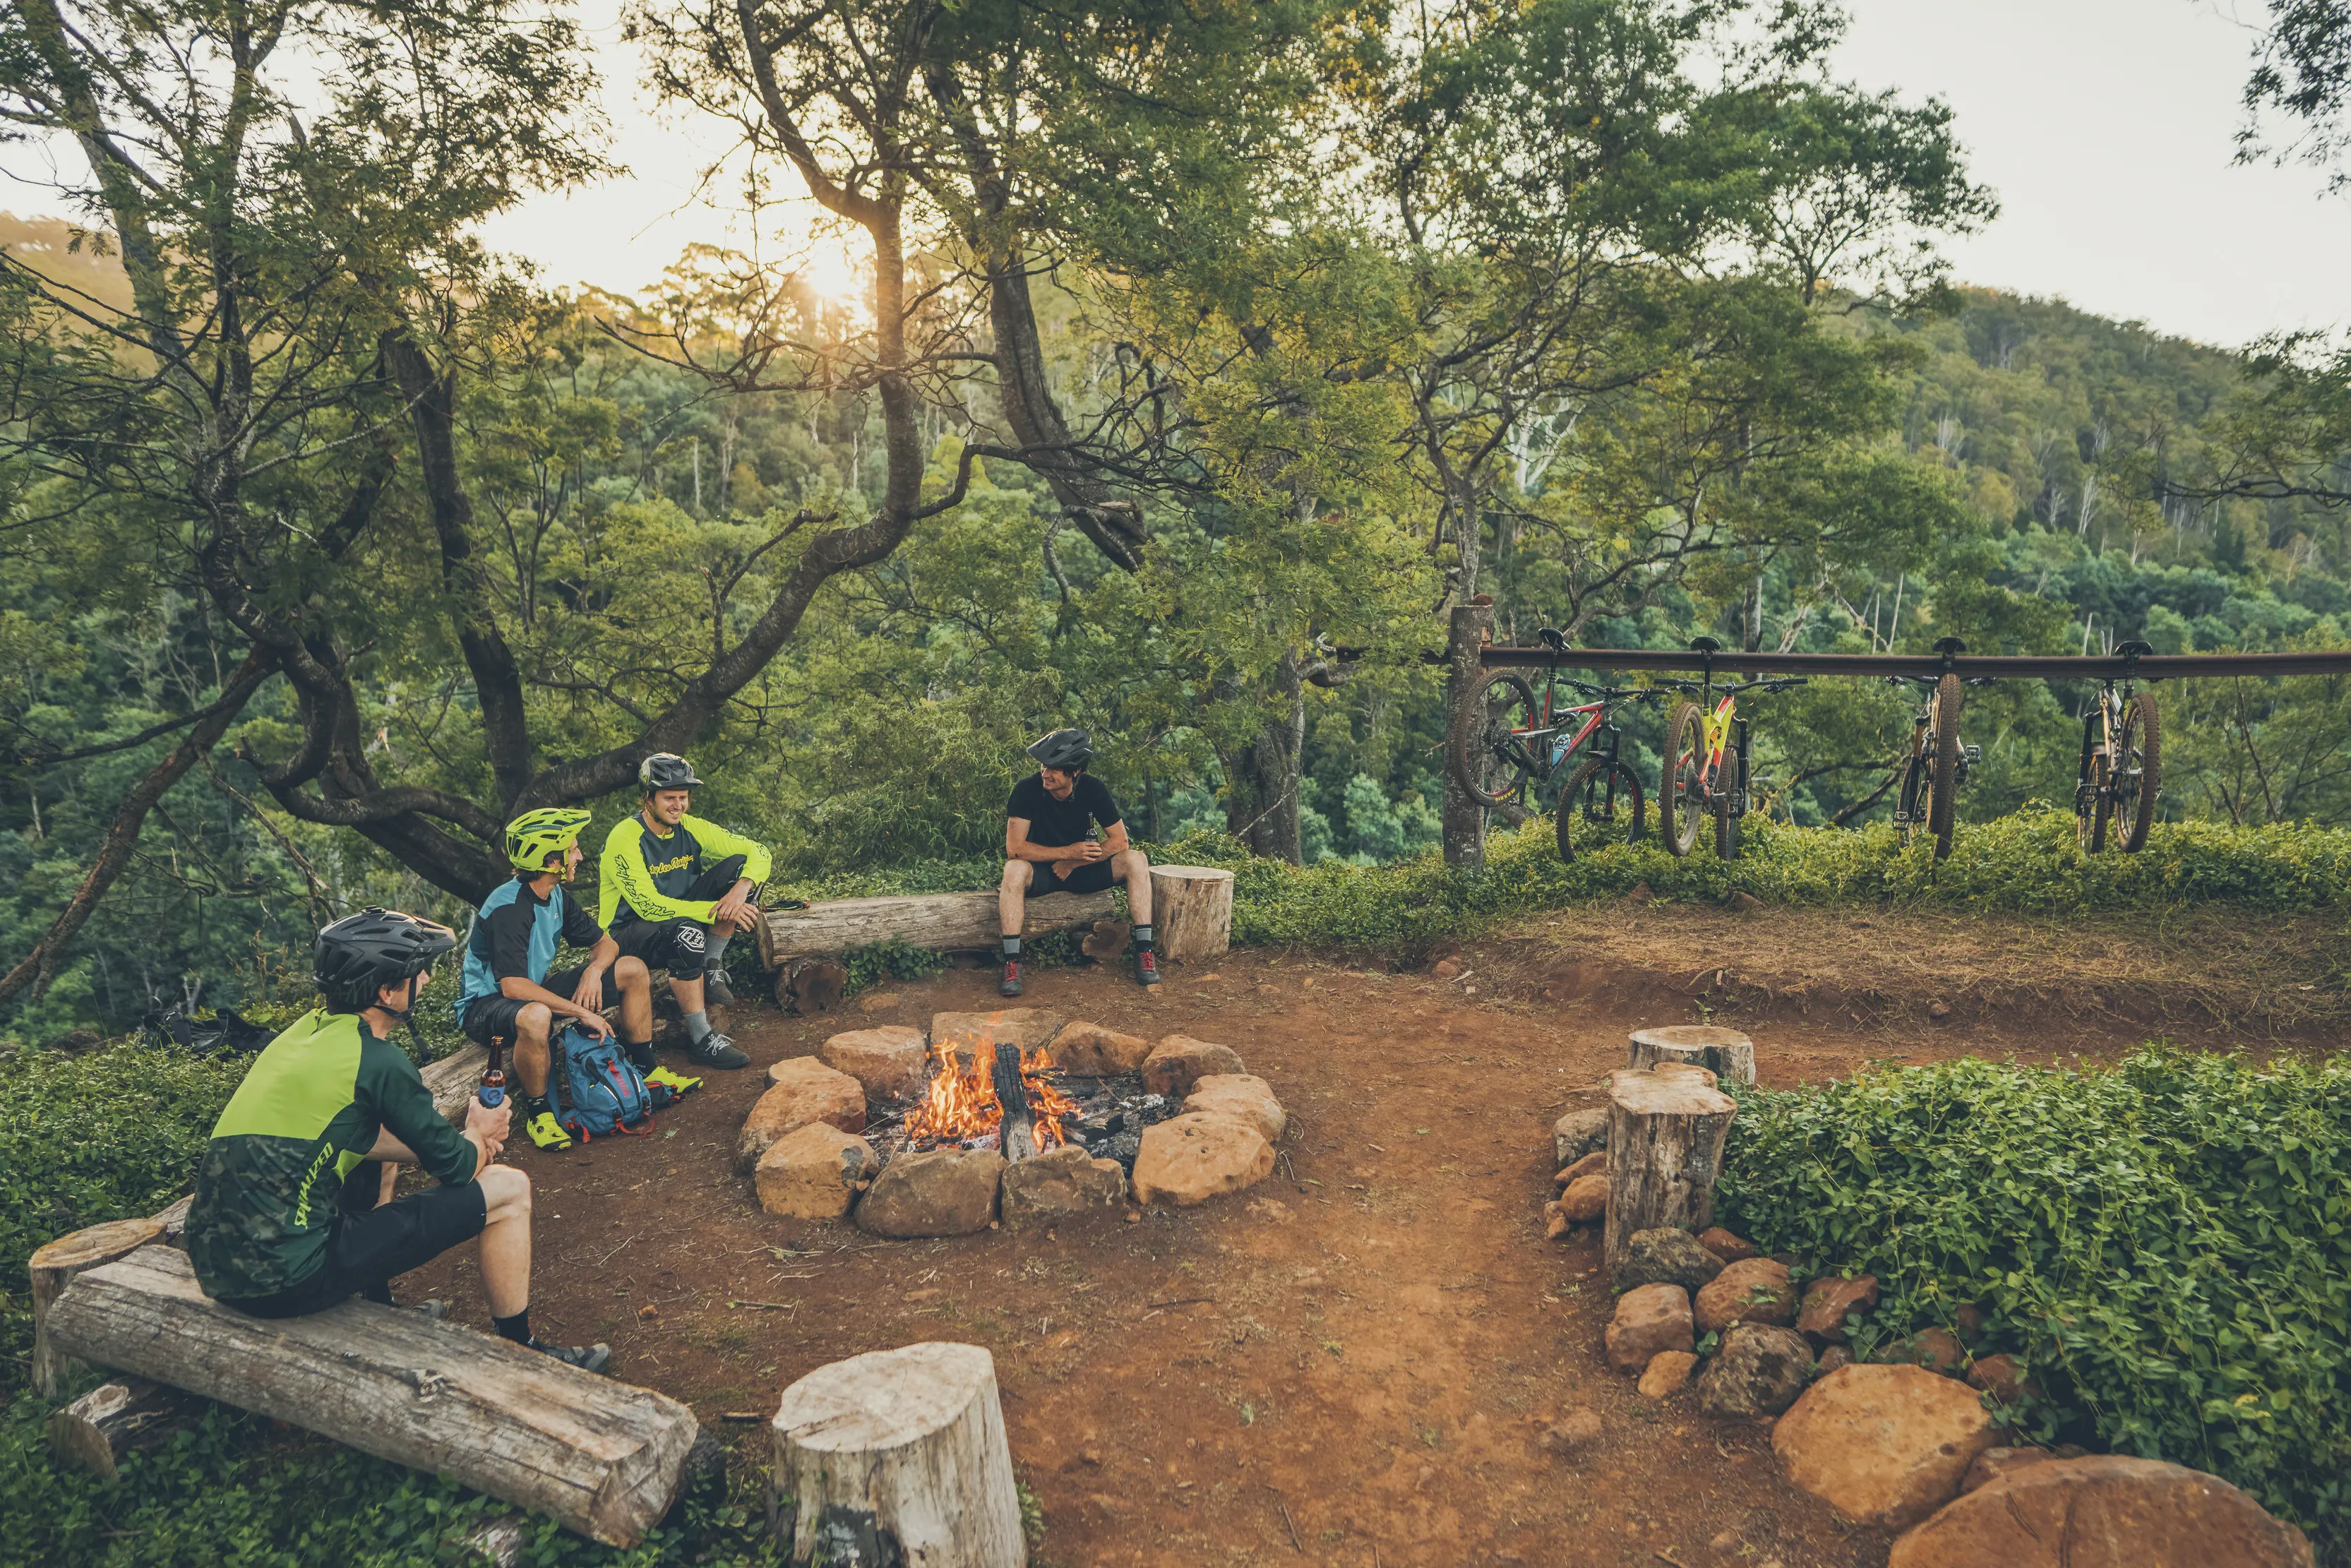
(635, 983)
(531, 1057)
(1136, 871)
(686, 993)
(390, 1175)
(506, 1239)
(1012, 898)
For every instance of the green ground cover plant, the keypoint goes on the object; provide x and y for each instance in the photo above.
(2164, 1242)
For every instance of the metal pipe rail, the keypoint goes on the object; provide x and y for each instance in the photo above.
(2145, 667)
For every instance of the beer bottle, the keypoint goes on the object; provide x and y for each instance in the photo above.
(494, 1082)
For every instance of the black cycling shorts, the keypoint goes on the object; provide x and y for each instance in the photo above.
(682, 946)
(1093, 877)
(367, 1250)
(493, 1018)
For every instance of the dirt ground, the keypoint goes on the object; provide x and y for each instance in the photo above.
(1352, 1362)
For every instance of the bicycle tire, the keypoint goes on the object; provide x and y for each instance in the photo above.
(1476, 767)
(1726, 829)
(2102, 801)
(2135, 813)
(2086, 784)
(1943, 777)
(1622, 788)
(1906, 801)
(1677, 817)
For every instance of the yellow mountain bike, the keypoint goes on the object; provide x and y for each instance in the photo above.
(1707, 757)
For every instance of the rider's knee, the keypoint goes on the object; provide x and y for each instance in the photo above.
(1016, 875)
(631, 972)
(505, 1192)
(535, 1020)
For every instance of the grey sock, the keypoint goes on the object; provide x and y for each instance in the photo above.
(1012, 947)
(718, 959)
(697, 1026)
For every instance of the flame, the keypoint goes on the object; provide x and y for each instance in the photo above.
(961, 1104)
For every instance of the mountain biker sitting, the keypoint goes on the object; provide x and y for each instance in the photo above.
(672, 889)
(290, 1215)
(506, 993)
(1050, 845)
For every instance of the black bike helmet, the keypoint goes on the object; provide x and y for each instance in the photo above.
(665, 771)
(361, 954)
(1064, 751)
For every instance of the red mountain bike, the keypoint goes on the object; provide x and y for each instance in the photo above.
(1507, 744)
(1707, 765)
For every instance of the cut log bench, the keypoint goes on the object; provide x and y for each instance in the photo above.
(1724, 1052)
(1192, 911)
(949, 922)
(597, 1455)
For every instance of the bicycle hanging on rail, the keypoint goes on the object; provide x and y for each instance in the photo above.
(1938, 764)
(1707, 758)
(2121, 774)
(1507, 744)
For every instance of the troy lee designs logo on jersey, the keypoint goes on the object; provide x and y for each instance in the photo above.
(680, 863)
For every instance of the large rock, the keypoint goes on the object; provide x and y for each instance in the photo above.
(1758, 1371)
(1731, 1249)
(1191, 1159)
(1178, 1061)
(1993, 1463)
(1586, 1200)
(802, 1092)
(1058, 1184)
(2103, 1511)
(974, 1036)
(1752, 1290)
(815, 1172)
(1936, 1349)
(1089, 1051)
(1647, 1322)
(1578, 1134)
(1884, 1446)
(1243, 1098)
(1668, 1255)
(1592, 1163)
(886, 1061)
(1667, 1373)
(1829, 1301)
(940, 1192)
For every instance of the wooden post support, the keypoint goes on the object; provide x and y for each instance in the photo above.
(1724, 1052)
(1665, 1128)
(1463, 819)
(898, 1456)
(592, 1453)
(53, 1267)
(1191, 911)
(96, 1430)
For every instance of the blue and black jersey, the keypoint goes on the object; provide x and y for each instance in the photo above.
(516, 933)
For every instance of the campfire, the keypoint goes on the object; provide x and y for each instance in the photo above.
(965, 1107)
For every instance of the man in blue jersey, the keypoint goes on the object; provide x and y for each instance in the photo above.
(507, 992)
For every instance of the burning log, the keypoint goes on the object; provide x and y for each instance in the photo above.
(966, 1104)
(1017, 1131)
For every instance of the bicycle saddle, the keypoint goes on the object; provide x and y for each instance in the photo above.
(2133, 649)
(1550, 638)
(1705, 644)
(1950, 645)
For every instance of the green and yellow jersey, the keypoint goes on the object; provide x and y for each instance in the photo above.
(309, 1109)
(644, 875)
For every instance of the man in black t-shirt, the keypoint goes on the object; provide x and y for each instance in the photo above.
(1049, 847)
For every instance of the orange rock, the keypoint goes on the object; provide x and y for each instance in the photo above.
(1829, 1301)
(1089, 1051)
(1586, 1200)
(1754, 1290)
(1648, 1321)
(1191, 1159)
(1668, 1373)
(1178, 1061)
(804, 1090)
(886, 1061)
(1724, 1246)
(1995, 1463)
(2103, 1511)
(1594, 1163)
(814, 1173)
(1885, 1445)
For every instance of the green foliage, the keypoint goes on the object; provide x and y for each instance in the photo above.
(2163, 1243)
(114, 1135)
(895, 960)
(229, 1494)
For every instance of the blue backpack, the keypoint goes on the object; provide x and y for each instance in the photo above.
(597, 1090)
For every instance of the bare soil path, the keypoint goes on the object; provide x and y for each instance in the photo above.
(1351, 1364)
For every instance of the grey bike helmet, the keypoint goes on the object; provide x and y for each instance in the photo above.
(361, 954)
(665, 771)
(1064, 751)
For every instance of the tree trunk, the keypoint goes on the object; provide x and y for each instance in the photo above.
(1724, 1052)
(1191, 911)
(1262, 778)
(53, 1267)
(1464, 820)
(96, 1430)
(1666, 1129)
(949, 922)
(898, 1456)
(596, 1455)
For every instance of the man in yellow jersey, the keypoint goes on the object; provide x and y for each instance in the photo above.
(671, 889)
(288, 1217)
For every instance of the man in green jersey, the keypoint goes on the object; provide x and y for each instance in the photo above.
(289, 1216)
(671, 889)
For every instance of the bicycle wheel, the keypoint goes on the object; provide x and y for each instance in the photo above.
(1489, 757)
(1943, 765)
(1911, 802)
(1681, 786)
(1602, 803)
(2137, 775)
(1728, 800)
(2090, 789)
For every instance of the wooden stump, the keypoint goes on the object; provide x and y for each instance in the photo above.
(1191, 911)
(1724, 1052)
(54, 1267)
(898, 1456)
(96, 1430)
(594, 1453)
(1665, 1128)
(810, 986)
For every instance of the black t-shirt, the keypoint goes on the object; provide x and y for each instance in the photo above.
(1052, 824)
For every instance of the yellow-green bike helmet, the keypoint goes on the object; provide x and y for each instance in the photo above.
(548, 831)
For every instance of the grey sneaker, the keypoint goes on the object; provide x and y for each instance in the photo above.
(716, 991)
(716, 1050)
(586, 1357)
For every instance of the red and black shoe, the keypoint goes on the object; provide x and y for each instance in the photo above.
(1146, 967)
(1010, 984)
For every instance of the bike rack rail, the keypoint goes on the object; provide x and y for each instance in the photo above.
(2115, 666)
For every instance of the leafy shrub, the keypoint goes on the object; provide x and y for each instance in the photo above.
(110, 1136)
(2164, 1243)
(895, 960)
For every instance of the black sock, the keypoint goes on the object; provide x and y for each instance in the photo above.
(1142, 937)
(535, 1105)
(379, 1291)
(1011, 948)
(640, 1053)
(516, 1328)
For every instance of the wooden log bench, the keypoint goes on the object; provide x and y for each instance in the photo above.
(597, 1455)
(949, 922)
